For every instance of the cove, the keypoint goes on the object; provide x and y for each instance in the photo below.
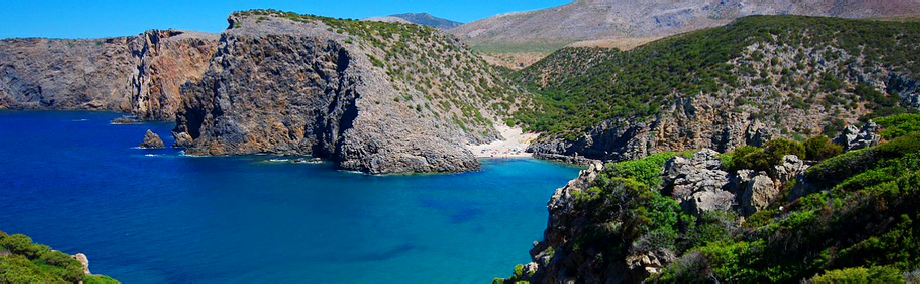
(74, 181)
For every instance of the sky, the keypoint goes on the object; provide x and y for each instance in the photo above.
(104, 18)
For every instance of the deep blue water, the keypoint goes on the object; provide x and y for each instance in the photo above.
(75, 182)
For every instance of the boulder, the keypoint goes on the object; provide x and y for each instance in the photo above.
(152, 141)
(759, 192)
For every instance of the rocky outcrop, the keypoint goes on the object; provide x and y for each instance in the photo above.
(789, 168)
(759, 191)
(698, 183)
(139, 74)
(293, 84)
(83, 260)
(852, 138)
(152, 141)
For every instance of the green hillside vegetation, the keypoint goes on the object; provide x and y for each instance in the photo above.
(860, 222)
(718, 62)
(21, 261)
(424, 61)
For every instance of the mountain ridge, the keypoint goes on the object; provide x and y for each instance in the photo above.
(549, 29)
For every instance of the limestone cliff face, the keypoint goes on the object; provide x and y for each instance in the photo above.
(139, 74)
(284, 83)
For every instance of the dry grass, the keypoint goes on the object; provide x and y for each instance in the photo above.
(621, 43)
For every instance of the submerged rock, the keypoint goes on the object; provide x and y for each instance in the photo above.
(124, 119)
(152, 141)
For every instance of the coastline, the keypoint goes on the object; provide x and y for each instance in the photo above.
(513, 145)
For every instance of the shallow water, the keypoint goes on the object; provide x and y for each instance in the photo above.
(74, 181)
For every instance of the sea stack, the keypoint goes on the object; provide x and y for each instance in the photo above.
(152, 141)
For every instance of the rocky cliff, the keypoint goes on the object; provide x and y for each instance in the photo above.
(139, 74)
(723, 88)
(375, 97)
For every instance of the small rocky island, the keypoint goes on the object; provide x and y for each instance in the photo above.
(152, 141)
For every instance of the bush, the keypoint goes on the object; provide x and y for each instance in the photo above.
(836, 169)
(820, 148)
(750, 158)
(647, 171)
(899, 124)
(875, 274)
(780, 147)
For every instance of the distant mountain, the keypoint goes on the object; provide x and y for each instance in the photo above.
(428, 20)
(551, 28)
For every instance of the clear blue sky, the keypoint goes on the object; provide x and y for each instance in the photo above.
(101, 18)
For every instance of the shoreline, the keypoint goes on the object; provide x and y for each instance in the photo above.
(513, 145)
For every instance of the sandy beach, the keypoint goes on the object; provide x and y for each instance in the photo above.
(513, 146)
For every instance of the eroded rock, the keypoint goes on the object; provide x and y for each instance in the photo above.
(152, 141)
(759, 192)
(698, 183)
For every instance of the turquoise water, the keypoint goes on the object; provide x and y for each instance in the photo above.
(73, 181)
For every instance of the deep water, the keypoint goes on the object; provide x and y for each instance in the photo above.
(74, 181)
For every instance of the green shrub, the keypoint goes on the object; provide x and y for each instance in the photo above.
(750, 158)
(875, 274)
(518, 271)
(780, 147)
(647, 171)
(834, 170)
(899, 124)
(820, 148)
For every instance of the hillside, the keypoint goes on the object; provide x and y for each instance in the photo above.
(21, 261)
(755, 216)
(372, 96)
(723, 88)
(548, 29)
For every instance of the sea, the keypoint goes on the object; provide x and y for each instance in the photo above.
(78, 183)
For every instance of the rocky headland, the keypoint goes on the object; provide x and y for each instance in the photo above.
(374, 97)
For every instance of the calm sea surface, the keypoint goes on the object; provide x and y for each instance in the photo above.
(74, 181)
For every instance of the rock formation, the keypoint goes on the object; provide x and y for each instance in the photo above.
(152, 141)
(699, 184)
(852, 138)
(139, 74)
(759, 191)
(285, 83)
(83, 260)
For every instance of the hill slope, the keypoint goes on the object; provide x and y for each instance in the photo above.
(757, 216)
(724, 87)
(551, 28)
